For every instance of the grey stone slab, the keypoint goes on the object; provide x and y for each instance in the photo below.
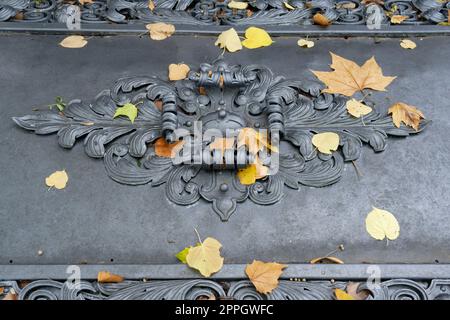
(95, 220)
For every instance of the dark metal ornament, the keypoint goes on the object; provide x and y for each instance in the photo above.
(292, 110)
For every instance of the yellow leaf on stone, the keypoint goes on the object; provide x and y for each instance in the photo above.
(73, 42)
(256, 38)
(206, 257)
(160, 30)
(108, 277)
(288, 6)
(229, 40)
(128, 110)
(57, 179)
(348, 78)
(178, 71)
(237, 5)
(357, 109)
(326, 142)
(381, 224)
(264, 275)
(408, 44)
(409, 115)
(247, 176)
(305, 43)
(397, 19)
(342, 295)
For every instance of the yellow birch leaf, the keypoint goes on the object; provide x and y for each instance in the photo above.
(108, 277)
(342, 295)
(326, 142)
(381, 224)
(128, 110)
(256, 38)
(348, 78)
(73, 42)
(409, 115)
(357, 109)
(288, 6)
(160, 30)
(305, 43)
(408, 44)
(206, 257)
(229, 40)
(397, 19)
(237, 5)
(57, 179)
(178, 71)
(166, 150)
(264, 275)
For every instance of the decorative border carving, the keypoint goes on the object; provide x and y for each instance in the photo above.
(209, 12)
(236, 97)
(396, 289)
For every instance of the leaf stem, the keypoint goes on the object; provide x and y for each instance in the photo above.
(198, 236)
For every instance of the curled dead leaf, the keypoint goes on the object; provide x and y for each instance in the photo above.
(409, 115)
(108, 277)
(397, 19)
(305, 43)
(160, 30)
(353, 290)
(326, 260)
(321, 20)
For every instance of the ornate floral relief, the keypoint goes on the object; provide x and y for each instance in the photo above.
(233, 97)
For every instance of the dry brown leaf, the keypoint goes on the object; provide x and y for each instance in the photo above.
(2, 290)
(249, 13)
(160, 30)
(108, 277)
(73, 42)
(397, 19)
(83, 2)
(352, 289)
(166, 150)
(158, 104)
(19, 16)
(10, 296)
(348, 78)
(202, 91)
(264, 275)
(345, 5)
(321, 20)
(409, 115)
(178, 71)
(151, 5)
(326, 260)
(222, 144)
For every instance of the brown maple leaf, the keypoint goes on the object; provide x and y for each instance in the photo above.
(348, 78)
(264, 275)
(409, 115)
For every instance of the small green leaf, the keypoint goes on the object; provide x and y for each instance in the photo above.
(183, 254)
(59, 103)
(128, 110)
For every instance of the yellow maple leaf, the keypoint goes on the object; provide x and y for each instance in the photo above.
(57, 179)
(229, 40)
(73, 42)
(381, 224)
(165, 149)
(264, 275)
(357, 109)
(348, 78)
(160, 30)
(342, 295)
(409, 115)
(326, 142)
(178, 71)
(108, 277)
(256, 38)
(128, 110)
(205, 257)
